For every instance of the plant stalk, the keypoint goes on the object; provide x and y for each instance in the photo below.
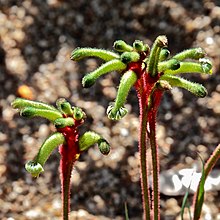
(143, 157)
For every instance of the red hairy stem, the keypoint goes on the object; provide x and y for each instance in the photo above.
(148, 110)
(69, 154)
(143, 150)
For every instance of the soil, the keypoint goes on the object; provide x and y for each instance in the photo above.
(36, 40)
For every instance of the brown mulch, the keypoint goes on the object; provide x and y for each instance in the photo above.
(36, 39)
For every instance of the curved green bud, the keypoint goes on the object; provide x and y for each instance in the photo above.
(195, 88)
(30, 112)
(53, 141)
(128, 57)
(63, 122)
(190, 67)
(90, 138)
(194, 53)
(152, 64)
(139, 46)
(78, 114)
(80, 53)
(171, 64)
(122, 46)
(206, 65)
(34, 168)
(20, 103)
(113, 65)
(104, 147)
(164, 54)
(64, 106)
(117, 111)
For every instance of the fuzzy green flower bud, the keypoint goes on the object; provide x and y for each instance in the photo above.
(34, 168)
(128, 57)
(164, 54)
(171, 64)
(104, 147)
(64, 106)
(116, 113)
(78, 114)
(113, 65)
(122, 46)
(30, 112)
(80, 53)
(139, 46)
(194, 53)
(90, 138)
(63, 122)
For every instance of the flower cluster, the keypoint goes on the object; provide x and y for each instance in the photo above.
(139, 61)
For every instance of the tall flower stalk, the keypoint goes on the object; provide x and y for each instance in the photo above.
(66, 119)
(151, 72)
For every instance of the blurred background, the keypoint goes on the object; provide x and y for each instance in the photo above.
(36, 40)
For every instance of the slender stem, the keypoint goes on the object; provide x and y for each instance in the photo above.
(66, 167)
(143, 157)
(155, 163)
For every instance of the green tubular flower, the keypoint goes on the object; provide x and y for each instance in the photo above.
(194, 53)
(80, 53)
(164, 54)
(90, 78)
(64, 106)
(139, 46)
(36, 167)
(122, 46)
(64, 122)
(78, 114)
(90, 138)
(30, 112)
(128, 57)
(189, 67)
(152, 64)
(172, 64)
(195, 88)
(20, 103)
(117, 111)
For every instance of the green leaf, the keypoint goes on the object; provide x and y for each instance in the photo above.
(199, 200)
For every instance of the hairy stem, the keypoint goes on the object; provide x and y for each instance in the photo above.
(155, 163)
(143, 157)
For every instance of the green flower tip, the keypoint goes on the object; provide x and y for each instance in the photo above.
(78, 114)
(28, 112)
(164, 85)
(199, 53)
(104, 147)
(88, 81)
(128, 57)
(122, 46)
(161, 41)
(164, 54)
(201, 91)
(34, 168)
(139, 46)
(206, 65)
(116, 114)
(76, 54)
(64, 106)
(63, 122)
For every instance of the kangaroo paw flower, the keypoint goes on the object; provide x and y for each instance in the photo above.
(122, 46)
(195, 88)
(34, 168)
(80, 53)
(113, 65)
(90, 138)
